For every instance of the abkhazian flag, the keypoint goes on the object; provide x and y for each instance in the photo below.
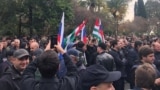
(83, 35)
(97, 31)
(71, 37)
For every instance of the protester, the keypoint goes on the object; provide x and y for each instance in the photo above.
(104, 58)
(146, 55)
(12, 76)
(145, 76)
(16, 44)
(156, 47)
(81, 47)
(132, 58)
(35, 51)
(1, 52)
(96, 77)
(48, 64)
(7, 64)
(91, 52)
(120, 64)
(76, 59)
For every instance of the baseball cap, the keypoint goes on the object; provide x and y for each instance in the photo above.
(20, 53)
(97, 74)
(102, 45)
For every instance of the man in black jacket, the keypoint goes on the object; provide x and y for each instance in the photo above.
(145, 76)
(146, 55)
(91, 51)
(156, 47)
(48, 64)
(2, 52)
(7, 64)
(119, 62)
(104, 58)
(11, 78)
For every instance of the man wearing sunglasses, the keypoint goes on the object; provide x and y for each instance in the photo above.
(10, 80)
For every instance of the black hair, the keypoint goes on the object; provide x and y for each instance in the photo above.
(93, 40)
(137, 43)
(9, 52)
(114, 43)
(80, 44)
(23, 45)
(48, 63)
(145, 51)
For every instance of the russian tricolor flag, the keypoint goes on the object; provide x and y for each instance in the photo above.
(101, 33)
(61, 34)
(83, 35)
(61, 31)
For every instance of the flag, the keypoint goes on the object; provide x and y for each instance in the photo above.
(101, 33)
(61, 31)
(83, 35)
(60, 35)
(97, 31)
(71, 37)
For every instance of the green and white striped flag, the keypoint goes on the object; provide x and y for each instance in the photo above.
(96, 31)
(71, 37)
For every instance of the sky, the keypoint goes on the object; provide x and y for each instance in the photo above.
(130, 11)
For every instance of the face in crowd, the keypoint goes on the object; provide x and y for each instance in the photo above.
(17, 43)
(34, 46)
(5, 43)
(104, 86)
(156, 46)
(149, 58)
(119, 45)
(1, 46)
(21, 59)
(146, 54)
(21, 63)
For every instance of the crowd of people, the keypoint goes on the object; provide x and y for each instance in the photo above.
(31, 64)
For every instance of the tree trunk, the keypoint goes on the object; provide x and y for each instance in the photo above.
(30, 21)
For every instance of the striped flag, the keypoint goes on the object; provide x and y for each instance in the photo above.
(97, 31)
(101, 33)
(71, 37)
(60, 35)
(61, 31)
(83, 35)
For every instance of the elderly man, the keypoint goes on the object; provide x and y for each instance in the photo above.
(35, 50)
